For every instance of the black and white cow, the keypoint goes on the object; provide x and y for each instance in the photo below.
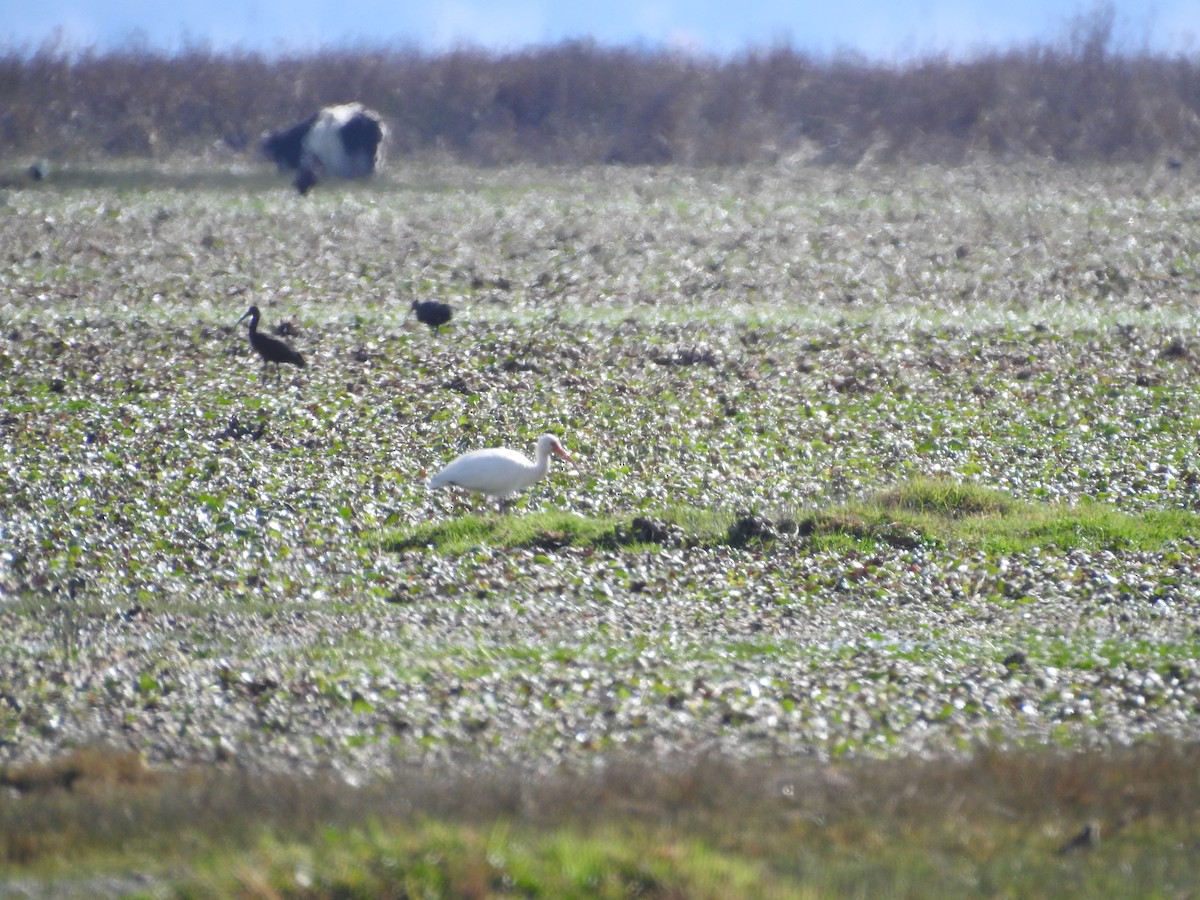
(344, 141)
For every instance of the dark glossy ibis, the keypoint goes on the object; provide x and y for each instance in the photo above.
(433, 313)
(271, 349)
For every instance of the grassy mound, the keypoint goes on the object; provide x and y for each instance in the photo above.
(944, 512)
(557, 529)
(918, 511)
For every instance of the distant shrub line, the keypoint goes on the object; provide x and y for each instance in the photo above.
(581, 103)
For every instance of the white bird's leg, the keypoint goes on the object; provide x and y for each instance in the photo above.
(465, 501)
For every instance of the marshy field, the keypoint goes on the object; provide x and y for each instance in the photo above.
(877, 571)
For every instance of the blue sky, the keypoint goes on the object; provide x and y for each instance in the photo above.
(889, 30)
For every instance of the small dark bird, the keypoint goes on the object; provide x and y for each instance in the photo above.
(433, 313)
(272, 350)
(1087, 839)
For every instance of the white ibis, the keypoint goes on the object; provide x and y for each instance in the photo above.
(499, 472)
(433, 313)
(272, 350)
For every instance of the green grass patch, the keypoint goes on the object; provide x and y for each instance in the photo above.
(944, 512)
(556, 529)
(437, 859)
(548, 530)
(933, 511)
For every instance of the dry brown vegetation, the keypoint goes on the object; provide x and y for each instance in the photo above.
(576, 103)
(1008, 821)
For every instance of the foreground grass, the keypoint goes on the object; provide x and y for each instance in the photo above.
(1012, 823)
(918, 511)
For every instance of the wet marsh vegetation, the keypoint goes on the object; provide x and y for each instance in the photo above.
(879, 474)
